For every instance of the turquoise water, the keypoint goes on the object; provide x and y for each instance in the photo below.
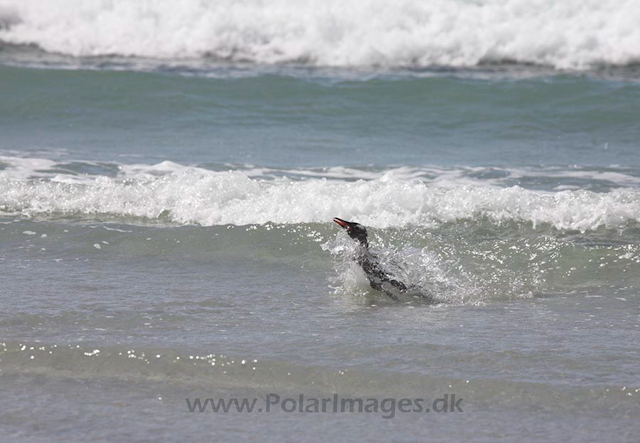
(168, 179)
(306, 117)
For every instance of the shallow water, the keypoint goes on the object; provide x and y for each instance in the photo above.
(166, 233)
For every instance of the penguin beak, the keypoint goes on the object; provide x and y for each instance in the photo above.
(345, 224)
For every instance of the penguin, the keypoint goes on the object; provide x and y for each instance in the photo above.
(378, 278)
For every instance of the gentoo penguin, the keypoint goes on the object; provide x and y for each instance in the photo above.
(377, 277)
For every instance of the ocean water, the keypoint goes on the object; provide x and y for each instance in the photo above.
(169, 172)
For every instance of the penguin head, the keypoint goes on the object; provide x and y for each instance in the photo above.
(355, 230)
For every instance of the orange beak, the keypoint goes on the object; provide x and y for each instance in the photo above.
(342, 223)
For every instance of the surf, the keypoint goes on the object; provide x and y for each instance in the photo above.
(409, 33)
(183, 195)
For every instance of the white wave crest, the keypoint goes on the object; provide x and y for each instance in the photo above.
(573, 34)
(209, 198)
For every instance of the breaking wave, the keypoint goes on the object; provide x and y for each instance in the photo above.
(173, 193)
(573, 34)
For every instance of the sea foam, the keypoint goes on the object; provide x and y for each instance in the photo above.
(208, 198)
(572, 34)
